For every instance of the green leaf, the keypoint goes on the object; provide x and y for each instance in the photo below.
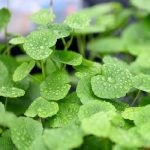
(87, 68)
(4, 74)
(71, 98)
(24, 132)
(142, 82)
(42, 108)
(7, 119)
(67, 114)
(75, 21)
(60, 30)
(98, 124)
(94, 107)
(38, 144)
(11, 92)
(55, 87)
(114, 82)
(23, 70)
(106, 45)
(5, 17)
(17, 40)
(134, 43)
(42, 17)
(84, 90)
(144, 131)
(67, 57)
(127, 138)
(6, 142)
(119, 147)
(63, 138)
(2, 108)
(38, 43)
(140, 4)
(139, 115)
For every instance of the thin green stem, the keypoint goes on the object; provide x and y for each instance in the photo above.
(6, 101)
(43, 69)
(34, 78)
(136, 98)
(64, 42)
(80, 45)
(69, 43)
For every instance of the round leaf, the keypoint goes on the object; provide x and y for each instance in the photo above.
(38, 42)
(42, 108)
(115, 82)
(55, 87)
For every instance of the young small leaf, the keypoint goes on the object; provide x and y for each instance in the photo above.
(42, 108)
(17, 40)
(55, 87)
(5, 17)
(11, 92)
(37, 44)
(23, 70)
(77, 21)
(67, 57)
(60, 30)
(42, 17)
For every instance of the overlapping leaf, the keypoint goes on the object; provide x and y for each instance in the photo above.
(23, 70)
(55, 87)
(139, 115)
(84, 90)
(75, 21)
(67, 114)
(11, 92)
(94, 107)
(42, 17)
(17, 40)
(24, 132)
(60, 30)
(63, 138)
(67, 57)
(42, 108)
(37, 44)
(98, 124)
(114, 82)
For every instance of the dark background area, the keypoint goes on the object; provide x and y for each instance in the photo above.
(125, 3)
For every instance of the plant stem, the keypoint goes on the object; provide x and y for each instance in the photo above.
(69, 43)
(64, 42)
(80, 45)
(43, 69)
(6, 101)
(136, 98)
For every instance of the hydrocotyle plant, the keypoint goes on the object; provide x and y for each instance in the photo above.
(101, 102)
